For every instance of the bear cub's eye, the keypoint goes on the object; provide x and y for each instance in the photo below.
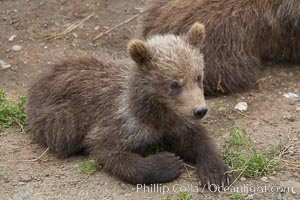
(175, 85)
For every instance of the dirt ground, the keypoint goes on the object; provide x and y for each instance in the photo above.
(269, 120)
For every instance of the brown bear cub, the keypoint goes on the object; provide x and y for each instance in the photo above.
(118, 111)
(241, 35)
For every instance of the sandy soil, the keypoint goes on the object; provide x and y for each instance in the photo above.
(270, 118)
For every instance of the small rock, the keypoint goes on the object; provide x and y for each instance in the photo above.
(272, 177)
(278, 196)
(298, 109)
(139, 9)
(282, 74)
(242, 178)
(222, 108)
(26, 178)
(264, 179)
(16, 48)
(123, 186)
(24, 194)
(97, 28)
(290, 95)
(250, 197)
(57, 176)
(289, 118)
(4, 65)
(21, 183)
(241, 106)
(6, 179)
(127, 195)
(14, 183)
(11, 38)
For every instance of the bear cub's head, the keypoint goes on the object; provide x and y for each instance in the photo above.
(169, 71)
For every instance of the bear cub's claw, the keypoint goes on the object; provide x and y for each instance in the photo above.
(213, 176)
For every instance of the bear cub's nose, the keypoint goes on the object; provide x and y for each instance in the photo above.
(200, 112)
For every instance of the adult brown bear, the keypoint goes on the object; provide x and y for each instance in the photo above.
(240, 36)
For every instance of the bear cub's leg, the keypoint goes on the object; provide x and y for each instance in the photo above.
(197, 147)
(136, 169)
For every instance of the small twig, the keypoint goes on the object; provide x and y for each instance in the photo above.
(263, 79)
(295, 168)
(253, 118)
(35, 159)
(188, 173)
(244, 114)
(68, 30)
(114, 27)
(245, 167)
(286, 147)
(219, 87)
(190, 166)
(240, 174)
(234, 170)
(19, 124)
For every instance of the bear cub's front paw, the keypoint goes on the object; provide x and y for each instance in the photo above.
(213, 176)
(166, 166)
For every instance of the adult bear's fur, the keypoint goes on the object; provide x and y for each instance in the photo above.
(118, 111)
(241, 35)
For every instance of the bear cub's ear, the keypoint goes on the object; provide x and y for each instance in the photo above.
(138, 51)
(196, 35)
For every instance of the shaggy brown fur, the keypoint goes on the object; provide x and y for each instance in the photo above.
(119, 110)
(240, 35)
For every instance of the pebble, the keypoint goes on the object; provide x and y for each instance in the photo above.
(272, 177)
(264, 179)
(21, 183)
(14, 184)
(6, 179)
(25, 178)
(127, 195)
(4, 65)
(97, 28)
(11, 38)
(16, 48)
(298, 109)
(241, 106)
(57, 175)
(279, 196)
(24, 194)
(123, 186)
(290, 95)
(250, 197)
(242, 178)
(222, 108)
(289, 118)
